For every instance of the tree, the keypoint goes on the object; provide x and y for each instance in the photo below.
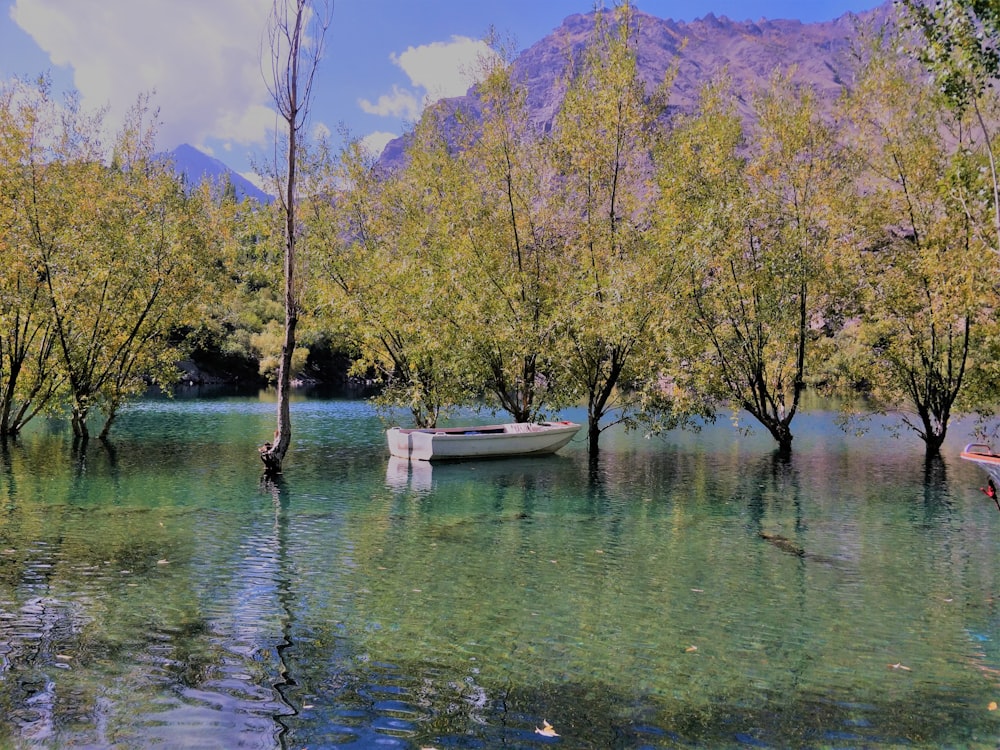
(616, 281)
(506, 252)
(961, 48)
(444, 263)
(388, 266)
(108, 249)
(28, 378)
(926, 304)
(296, 33)
(241, 285)
(120, 269)
(756, 213)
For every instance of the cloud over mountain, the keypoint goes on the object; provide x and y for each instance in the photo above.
(436, 71)
(192, 55)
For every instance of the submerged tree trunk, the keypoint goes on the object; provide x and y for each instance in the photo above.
(273, 453)
(782, 433)
(108, 421)
(7, 403)
(79, 422)
(933, 434)
(593, 436)
(933, 446)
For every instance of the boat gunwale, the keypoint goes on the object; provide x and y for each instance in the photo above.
(975, 452)
(487, 431)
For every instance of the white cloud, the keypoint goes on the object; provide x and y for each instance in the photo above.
(437, 70)
(375, 143)
(256, 180)
(443, 69)
(320, 131)
(199, 60)
(401, 104)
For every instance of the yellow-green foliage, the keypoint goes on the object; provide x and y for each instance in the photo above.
(109, 248)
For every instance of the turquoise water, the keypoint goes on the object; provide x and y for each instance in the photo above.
(159, 593)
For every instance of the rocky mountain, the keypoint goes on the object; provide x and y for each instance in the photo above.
(748, 51)
(195, 165)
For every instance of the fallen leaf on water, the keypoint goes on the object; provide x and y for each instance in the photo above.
(898, 665)
(992, 706)
(546, 730)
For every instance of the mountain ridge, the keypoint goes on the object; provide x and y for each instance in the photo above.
(749, 51)
(195, 165)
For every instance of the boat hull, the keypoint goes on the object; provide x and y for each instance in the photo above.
(985, 458)
(489, 441)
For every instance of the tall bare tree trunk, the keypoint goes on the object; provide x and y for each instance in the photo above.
(295, 32)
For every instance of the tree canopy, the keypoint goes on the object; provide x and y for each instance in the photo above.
(103, 250)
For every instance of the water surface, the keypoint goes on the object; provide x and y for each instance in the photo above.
(690, 591)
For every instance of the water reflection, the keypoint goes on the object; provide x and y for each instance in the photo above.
(274, 486)
(697, 591)
(401, 475)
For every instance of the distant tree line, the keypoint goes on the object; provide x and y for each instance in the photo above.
(655, 268)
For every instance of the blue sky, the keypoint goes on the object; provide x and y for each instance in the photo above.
(385, 59)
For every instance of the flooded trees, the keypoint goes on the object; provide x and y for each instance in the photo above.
(616, 281)
(755, 211)
(504, 262)
(389, 273)
(107, 249)
(925, 271)
(127, 279)
(645, 268)
(508, 256)
(28, 378)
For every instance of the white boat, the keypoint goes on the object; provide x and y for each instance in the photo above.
(487, 441)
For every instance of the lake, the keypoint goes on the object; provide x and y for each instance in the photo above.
(688, 591)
